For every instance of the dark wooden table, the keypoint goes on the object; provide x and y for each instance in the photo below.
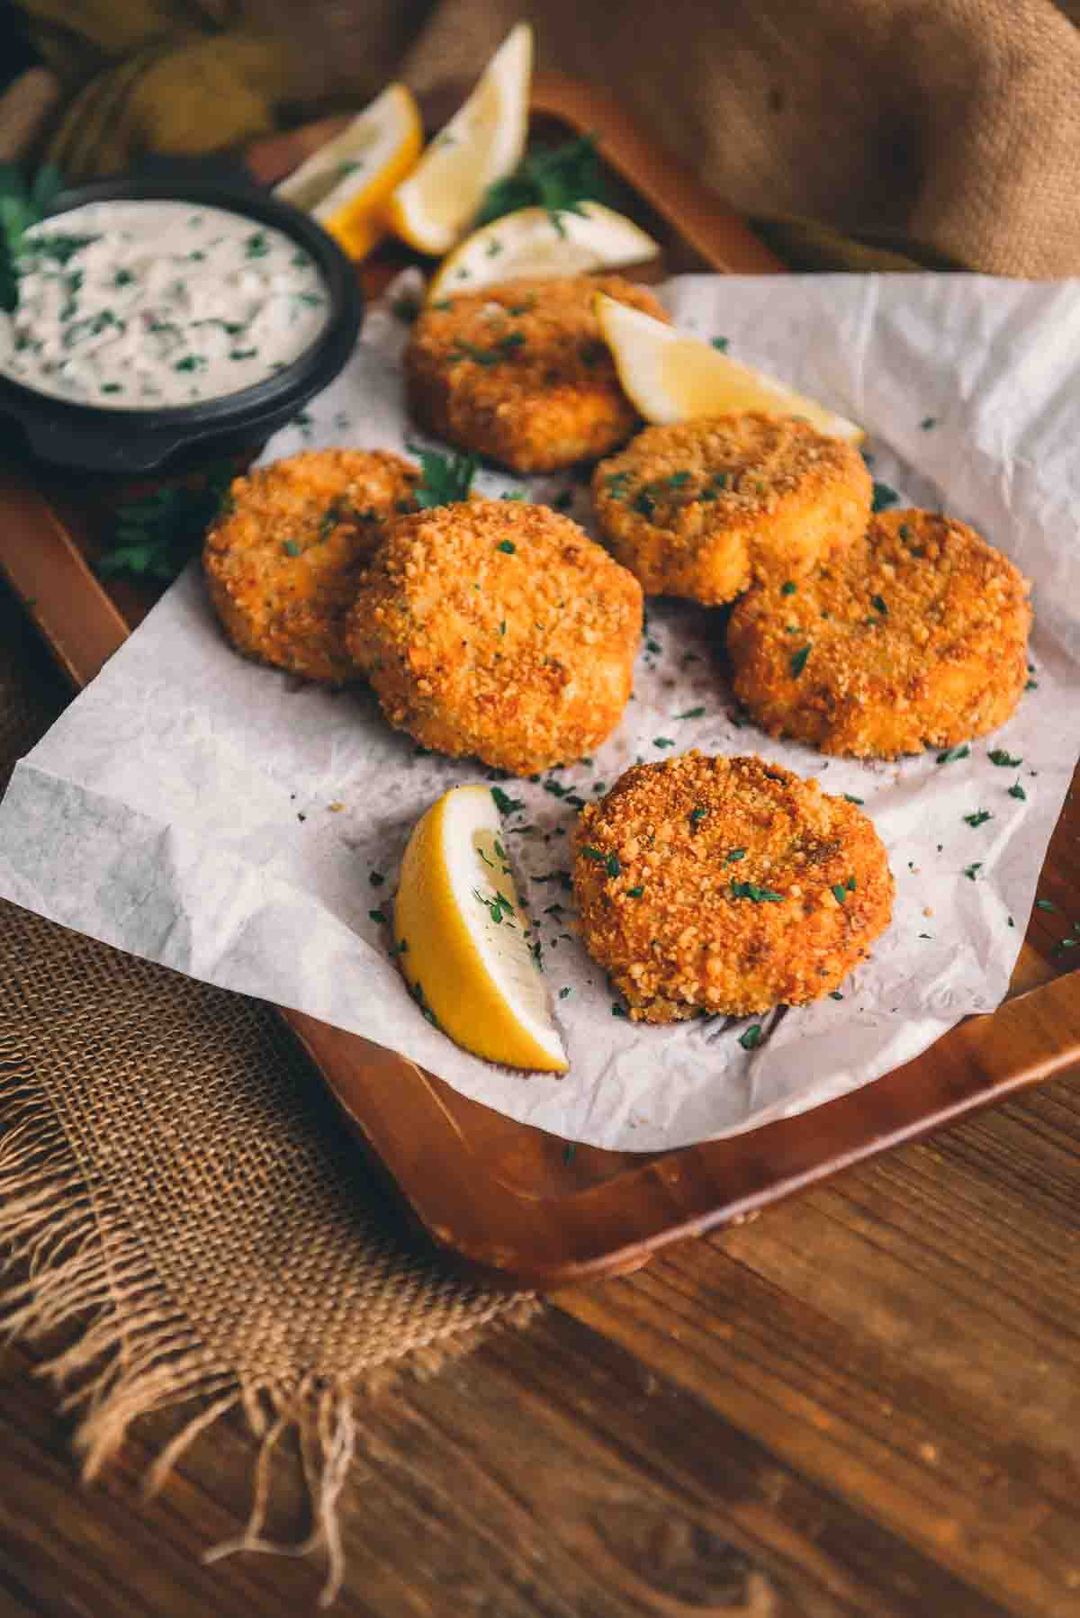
(865, 1401)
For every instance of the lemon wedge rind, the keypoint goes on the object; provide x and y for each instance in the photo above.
(671, 376)
(530, 243)
(461, 935)
(483, 142)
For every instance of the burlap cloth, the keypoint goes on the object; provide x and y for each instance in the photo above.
(932, 130)
(175, 1181)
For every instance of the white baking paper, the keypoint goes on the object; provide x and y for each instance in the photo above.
(213, 815)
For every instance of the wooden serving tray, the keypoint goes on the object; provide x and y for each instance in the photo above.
(501, 1197)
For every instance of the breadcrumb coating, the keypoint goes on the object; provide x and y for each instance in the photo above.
(282, 561)
(520, 372)
(726, 885)
(700, 508)
(914, 637)
(500, 630)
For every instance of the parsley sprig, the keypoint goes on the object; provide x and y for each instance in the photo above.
(23, 204)
(446, 479)
(558, 178)
(156, 536)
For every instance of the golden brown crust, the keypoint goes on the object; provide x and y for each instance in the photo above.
(700, 508)
(726, 885)
(917, 637)
(499, 630)
(520, 372)
(282, 560)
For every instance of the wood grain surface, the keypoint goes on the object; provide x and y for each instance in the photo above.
(865, 1401)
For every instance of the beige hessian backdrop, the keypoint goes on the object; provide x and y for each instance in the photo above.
(954, 124)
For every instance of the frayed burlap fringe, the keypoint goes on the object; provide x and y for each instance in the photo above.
(79, 1265)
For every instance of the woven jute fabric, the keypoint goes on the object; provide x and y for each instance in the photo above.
(948, 129)
(176, 1186)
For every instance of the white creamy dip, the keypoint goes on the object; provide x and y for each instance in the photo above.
(137, 305)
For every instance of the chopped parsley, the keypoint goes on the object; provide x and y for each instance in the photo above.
(927, 422)
(750, 890)
(292, 547)
(612, 865)
(504, 803)
(1045, 904)
(564, 992)
(978, 818)
(616, 484)
(499, 351)
(735, 854)
(1002, 759)
(851, 798)
(257, 245)
(788, 588)
(497, 906)
(953, 753)
(878, 604)
(691, 713)
(751, 1039)
(1017, 791)
(972, 871)
(507, 546)
(720, 343)
(697, 816)
(663, 741)
(635, 892)
(798, 660)
(379, 916)
(884, 496)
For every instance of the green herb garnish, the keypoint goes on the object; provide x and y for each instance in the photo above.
(884, 496)
(953, 753)
(1003, 760)
(21, 206)
(446, 479)
(691, 713)
(507, 546)
(878, 604)
(788, 588)
(972, 871)
(750, 890)
(504, 803)
(558, 178)
(1017, 791)
(751, 1039)
(157, 535)
(978, 818)
(798, 660)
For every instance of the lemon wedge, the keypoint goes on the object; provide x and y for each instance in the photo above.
(461, 938)
(532, 242)
(483, 142)
(347, 183)
(670, 376)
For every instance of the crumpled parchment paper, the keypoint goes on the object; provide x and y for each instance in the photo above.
(215, 816)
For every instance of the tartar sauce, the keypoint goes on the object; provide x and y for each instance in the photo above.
(138, 305)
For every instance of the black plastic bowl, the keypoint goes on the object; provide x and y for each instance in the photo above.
(132, 441)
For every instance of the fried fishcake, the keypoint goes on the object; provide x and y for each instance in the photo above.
(915, 636)
(700, 508)
(520, 372)
(282, 560)
(499, 630)
(726, 885)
